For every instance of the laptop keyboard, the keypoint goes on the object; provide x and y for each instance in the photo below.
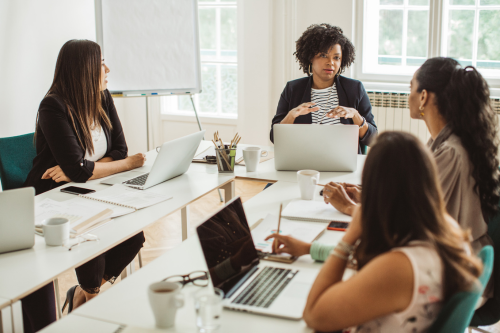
(265, 288)
(139, 181)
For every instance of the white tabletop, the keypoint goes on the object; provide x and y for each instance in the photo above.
(127, 302)
(27, 270)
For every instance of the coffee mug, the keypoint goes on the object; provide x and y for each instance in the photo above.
(165, 299)
(56, 231)
(308, 179)
(251, 156)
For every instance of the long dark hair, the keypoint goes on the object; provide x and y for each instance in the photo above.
(402, 202)
(463, 99)
(77, 81)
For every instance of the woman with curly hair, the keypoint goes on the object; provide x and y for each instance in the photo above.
(325, 97)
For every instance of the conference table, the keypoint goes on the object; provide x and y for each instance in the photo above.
(25, 271)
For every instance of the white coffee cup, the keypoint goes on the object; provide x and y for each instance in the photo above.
(56, 231)
(251, 155)
(165, 298)
(308, 179)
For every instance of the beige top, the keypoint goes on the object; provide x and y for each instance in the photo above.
(457, 183)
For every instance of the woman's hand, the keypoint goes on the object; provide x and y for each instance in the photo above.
(353, 191)
(56, 174)
(342, 112)
(135, 161)
(336, 195)
(355, 229)
(300, 110)
(290, 245)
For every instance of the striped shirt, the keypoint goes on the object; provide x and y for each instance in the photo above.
(327, 100)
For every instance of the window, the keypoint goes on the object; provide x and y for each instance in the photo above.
(398, 34)
(218, 50)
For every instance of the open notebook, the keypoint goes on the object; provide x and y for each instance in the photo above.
(314, 211)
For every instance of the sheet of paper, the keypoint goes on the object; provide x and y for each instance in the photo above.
(125, 195)
(304, 231)
(314, 210)
(117, 210)
(203, 147)
(211, 152)
(75, 212)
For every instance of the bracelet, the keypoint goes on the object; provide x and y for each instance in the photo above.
(363, 123)
(338, 255)
(347, 248)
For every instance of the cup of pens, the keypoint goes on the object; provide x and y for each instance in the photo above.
(225, 153)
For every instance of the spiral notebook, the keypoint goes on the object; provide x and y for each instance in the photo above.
(313, 211)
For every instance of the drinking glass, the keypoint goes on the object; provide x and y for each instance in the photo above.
(208, 307)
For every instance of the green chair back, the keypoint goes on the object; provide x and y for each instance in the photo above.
(364, 149)
(489, 313)
(16, 159)
(459, 309)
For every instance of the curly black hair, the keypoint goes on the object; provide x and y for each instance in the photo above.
(319, 38)
(463, 99)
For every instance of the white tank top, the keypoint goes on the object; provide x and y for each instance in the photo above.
(100, 145)
(426, 302)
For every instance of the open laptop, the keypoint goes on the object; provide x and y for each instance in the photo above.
(270, 289)
(317, 147)
(17, 219)
(173, 160)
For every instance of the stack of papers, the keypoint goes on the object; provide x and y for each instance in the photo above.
(314, 211)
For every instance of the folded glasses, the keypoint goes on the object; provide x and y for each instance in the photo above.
(198, 278)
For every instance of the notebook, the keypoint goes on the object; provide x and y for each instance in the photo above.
(313, 211)
(300, 230)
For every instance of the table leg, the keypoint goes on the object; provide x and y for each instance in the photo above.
(58, 298)
(185, 222)
(17, 317)
(229, 191)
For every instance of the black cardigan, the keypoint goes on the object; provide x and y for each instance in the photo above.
(351, 93)
(57, 144)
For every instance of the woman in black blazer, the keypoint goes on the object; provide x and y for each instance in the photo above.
(79, 137)
(325, 97)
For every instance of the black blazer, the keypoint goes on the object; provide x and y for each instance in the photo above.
(351, 93)
(57, 144)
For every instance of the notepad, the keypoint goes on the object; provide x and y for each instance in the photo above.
(123, 196)
(313, 211)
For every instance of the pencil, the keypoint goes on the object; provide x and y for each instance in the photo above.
(275, 243)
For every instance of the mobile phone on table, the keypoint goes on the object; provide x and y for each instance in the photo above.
(76, 190)
(339, 226)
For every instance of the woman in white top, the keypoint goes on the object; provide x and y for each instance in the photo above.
(411, 257)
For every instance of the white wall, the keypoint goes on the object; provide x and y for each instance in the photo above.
(32, 33)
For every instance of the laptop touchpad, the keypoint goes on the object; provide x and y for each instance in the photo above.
(121, 178)
(298, 289)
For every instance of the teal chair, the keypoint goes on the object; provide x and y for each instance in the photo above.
(489, 313)
(16, 159)
(459, 309)
(364, 149)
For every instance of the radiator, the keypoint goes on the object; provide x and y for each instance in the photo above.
(391, 113)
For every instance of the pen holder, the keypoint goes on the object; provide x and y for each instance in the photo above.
(225, 159)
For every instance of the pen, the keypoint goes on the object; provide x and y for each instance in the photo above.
(275, 243)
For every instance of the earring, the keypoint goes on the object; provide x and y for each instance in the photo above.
(310, 69)
(421, 108)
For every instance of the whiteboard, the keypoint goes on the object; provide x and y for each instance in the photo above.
(150, 46)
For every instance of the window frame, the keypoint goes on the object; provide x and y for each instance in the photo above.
(169, 105)
(436, 48)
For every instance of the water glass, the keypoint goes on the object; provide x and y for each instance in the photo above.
(208, 307)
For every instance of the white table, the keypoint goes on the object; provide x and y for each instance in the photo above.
(23, 272)
(127, 303)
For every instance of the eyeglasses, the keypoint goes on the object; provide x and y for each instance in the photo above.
(198, 278)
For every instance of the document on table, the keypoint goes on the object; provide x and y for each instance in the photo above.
(304, 231)
(314, 211)
(75, 212)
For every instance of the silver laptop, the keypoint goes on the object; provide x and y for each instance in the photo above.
(173, 160)
(317, 147)
(17, 219)
(248, 285)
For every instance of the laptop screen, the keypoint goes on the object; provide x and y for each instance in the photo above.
(228, 246)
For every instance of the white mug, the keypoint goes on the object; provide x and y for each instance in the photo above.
(56, 231)
(165, 298)
(308, 179)
(251, 155)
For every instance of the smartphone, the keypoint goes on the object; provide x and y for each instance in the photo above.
(76, 190)
(339, 226)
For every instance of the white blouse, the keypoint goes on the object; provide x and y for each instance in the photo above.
(100, 145)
